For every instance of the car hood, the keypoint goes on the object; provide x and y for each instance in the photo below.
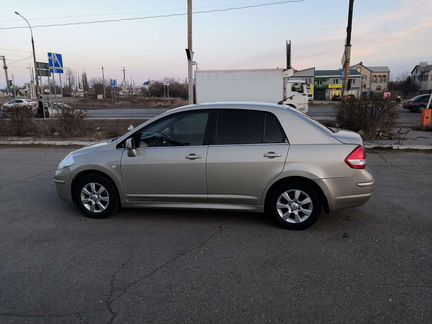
(91, 148)
(348, 137)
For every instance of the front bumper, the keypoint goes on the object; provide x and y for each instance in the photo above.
(63, 185)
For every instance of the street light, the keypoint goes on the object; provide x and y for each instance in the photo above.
(34, 56)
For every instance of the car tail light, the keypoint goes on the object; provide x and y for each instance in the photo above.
(357, 158)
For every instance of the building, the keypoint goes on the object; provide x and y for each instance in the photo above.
(328, 84)
(421, 75)
(374, 78)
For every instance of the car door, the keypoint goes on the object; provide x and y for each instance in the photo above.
(247, 150)
(170, 164)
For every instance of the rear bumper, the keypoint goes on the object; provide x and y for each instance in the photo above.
(349, 192)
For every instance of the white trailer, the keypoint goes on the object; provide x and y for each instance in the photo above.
(263, 85)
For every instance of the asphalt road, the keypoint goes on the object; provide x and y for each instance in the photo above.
(124, 113)
(366, 265)
(406, 118)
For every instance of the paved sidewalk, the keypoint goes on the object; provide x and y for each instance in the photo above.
(405, 139)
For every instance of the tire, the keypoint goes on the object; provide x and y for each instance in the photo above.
(294, 205)
(96, 196)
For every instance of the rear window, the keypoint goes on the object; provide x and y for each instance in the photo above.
(273, 132)
(239, 127)
(247, 127)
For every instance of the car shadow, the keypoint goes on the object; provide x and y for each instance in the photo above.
(194, 216)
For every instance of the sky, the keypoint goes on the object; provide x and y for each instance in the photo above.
(396, 33)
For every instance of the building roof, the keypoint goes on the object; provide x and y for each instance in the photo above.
(335, 73)
(373, 69)
(422, 68)
(378, 69)
(310, 72)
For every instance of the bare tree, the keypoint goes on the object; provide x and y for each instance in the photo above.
(96, 84)
(85, 83)
(70, 78)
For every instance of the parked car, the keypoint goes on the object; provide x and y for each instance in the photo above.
(417, 103)
(21, 103)
(242, 156)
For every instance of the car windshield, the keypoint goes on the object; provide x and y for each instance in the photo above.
(421, 98)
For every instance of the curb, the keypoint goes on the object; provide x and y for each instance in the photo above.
(49, 143)
(85, 143)
(398, 147)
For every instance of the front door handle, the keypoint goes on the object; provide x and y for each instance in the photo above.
(193, 156)
(272, 155)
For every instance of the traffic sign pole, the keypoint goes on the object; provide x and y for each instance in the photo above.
(55, 90)
(61, 86)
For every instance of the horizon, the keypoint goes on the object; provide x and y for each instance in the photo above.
(251, 38)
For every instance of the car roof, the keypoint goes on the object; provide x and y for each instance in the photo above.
(247, 105)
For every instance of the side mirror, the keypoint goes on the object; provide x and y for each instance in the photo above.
(130, 147)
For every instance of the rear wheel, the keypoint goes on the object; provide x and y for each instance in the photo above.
(294, 205)
(96, 196)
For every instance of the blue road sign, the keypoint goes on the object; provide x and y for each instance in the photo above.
(55, 61)
(113, 84)
(343, 74)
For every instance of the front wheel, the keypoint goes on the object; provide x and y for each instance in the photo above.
(294, 205)
(96, 196)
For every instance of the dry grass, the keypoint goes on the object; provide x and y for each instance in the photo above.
(55, 128)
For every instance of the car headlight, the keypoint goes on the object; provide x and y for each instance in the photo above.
(66, 162)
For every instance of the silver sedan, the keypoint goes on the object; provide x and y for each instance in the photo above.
(242, 156)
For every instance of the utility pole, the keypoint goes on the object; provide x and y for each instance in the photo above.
(347, 53)
(124, 77)
(32, 94)
(288, 54)
(103, 83)
(189, 54)
(6, 74)
(34, 54)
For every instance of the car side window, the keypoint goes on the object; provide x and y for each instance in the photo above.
(182, 129)
(239, 127)
(273, 132)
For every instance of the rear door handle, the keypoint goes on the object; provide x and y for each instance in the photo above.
(272, 155)
(193, 156)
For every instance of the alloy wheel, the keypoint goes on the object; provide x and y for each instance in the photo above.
(294, 206)
(95, 197)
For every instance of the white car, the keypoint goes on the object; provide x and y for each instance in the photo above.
(21, 103)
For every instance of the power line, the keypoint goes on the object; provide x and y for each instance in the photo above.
(13, 50)
(16, 61)
(258, 5)
(107, 14)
